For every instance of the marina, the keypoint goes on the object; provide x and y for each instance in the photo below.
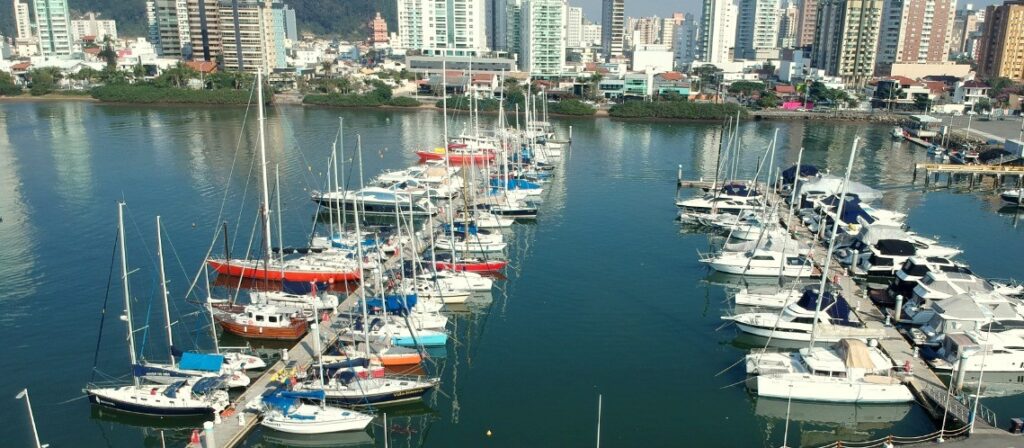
(544, 303)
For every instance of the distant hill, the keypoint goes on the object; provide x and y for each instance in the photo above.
(345, 18)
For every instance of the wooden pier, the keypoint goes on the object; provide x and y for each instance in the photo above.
(975, 174)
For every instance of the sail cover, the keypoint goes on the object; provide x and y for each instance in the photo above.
(201, 361)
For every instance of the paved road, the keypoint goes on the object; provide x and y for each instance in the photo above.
(1000, 129)
(984, 441)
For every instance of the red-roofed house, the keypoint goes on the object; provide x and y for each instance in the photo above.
(970, 92)
(91, 54)
(203, 67)
(485, 83)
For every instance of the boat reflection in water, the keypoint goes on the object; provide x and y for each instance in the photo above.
(747, 341)
(156, 431)
(994, 384)
(818, 424)
(271, 438)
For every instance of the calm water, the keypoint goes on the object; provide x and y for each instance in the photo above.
(605, 295)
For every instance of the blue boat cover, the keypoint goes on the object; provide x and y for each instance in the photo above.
(516, 184)
(395, 303)
(739, 190)
(836, 308)
(789, 174)
(302, 288)
(172, 390)
(207, 384)
(201, 361)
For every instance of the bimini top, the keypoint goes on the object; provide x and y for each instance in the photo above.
(836, 308)
(739, 190)
(789, 175)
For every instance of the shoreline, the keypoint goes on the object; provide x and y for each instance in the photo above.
(49, 97)
(842, 116)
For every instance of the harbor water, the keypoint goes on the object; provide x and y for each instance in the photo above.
(604, 295)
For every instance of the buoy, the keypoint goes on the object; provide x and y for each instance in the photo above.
(489, 433)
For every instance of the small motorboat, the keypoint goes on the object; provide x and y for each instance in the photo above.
(1013, 197)
(898, 133)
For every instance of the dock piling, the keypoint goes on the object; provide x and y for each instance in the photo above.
(961, 371)
(899, 307)
(208, 439)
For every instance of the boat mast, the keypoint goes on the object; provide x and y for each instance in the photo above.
(832, 240)
(209, 309)
(263, 163)
(792, 195)
(163, 290)
(280, 233)
(340, 181)
(124, 287)
(359, 256)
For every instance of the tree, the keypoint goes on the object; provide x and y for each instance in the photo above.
(380, 90)
(746, 88)
(983, 105)
(7, 85)
(922, 102)
(708, 74)
(107, 53)
(43, 80)
(177, 76)
(768, 100)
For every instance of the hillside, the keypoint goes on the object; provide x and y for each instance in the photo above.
(345, 18)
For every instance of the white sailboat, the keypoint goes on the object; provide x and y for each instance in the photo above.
(286, 411)
(189, 397)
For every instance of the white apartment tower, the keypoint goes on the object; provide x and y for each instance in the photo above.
(574, 27)
(89, 25)
(22, 20)
(53, 24)
(757, 30)
(443, 27)
(169, 27)
(542, 46)
(716, 36)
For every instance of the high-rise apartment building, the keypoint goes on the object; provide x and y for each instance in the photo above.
(915, 32)
(169, 30)
(686, 42)
(757, 30)
(22, 20)
(574, 27)
(788, 21)
(612, 23)
(591, 34)
(378, 30)
(89, 25)
(542, 48)
(846, 39)
(964, 24)
(252, 34)
(53, 26)
(806, 22)
(716, 35)
(642, 31)
(452, 27)
(203, 18)
(668, 32)
(1001, 49)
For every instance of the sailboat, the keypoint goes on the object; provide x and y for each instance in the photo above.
(191, 365)
(348, 388)
(188, 397)
(287, 411)
(303, 269)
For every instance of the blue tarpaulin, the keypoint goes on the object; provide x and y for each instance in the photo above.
(394, 302)
(201, 362)
(789, 174)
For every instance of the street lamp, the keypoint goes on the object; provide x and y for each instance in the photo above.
(31, 418)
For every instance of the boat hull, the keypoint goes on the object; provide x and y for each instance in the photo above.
(833, 390)
(290, 333)
(455, 158)
(136, 408)
(236, 270)
(486, 266)
(379, 398)
(314, 427)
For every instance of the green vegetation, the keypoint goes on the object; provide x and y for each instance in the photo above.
(768, 100)
(404, 101)
(571, 107)
(464, 102)
(43, 80)
(746, 88)
(7, 85)
(148, 94)
(357, 100)
(676, 110)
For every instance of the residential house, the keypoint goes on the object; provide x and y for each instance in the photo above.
(969, 93)
(672, 82)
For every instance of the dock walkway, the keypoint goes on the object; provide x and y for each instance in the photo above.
(232, 428)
